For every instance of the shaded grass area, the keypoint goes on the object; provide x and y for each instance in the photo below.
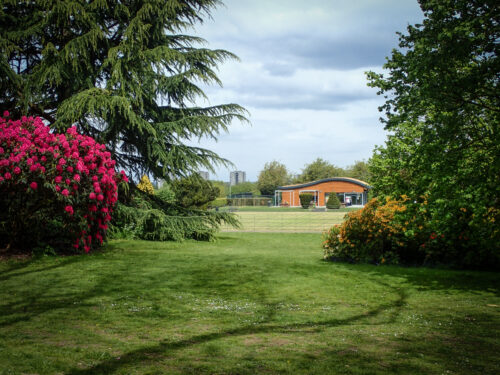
(249, 303)
(286, 221)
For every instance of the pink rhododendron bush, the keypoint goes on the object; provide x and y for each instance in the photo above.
(57, 191)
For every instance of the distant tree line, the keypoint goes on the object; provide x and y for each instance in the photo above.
(276, 174)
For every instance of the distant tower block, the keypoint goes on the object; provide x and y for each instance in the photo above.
(204, 175)
(237, 177)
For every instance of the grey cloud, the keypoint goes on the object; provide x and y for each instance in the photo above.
(330, 102)
(279, 69)
(308, 51)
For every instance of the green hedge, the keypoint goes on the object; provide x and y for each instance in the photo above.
(218, 202)
(333, 201)
(305, 199)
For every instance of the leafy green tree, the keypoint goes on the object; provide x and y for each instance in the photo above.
(359, 170)
(222, 186)
(245, 187)
(442, 110)
(194, 191)
(273, 175)
(318, 170)
(166, 194)
(124, 71)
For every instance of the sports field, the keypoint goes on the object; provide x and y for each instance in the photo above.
(287, 221)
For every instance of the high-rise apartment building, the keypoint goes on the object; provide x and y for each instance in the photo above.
(204, 175)
(237, 177)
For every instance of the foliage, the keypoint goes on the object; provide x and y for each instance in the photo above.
(56, 190)
(194, 192)
(333, 201)
(442, 111)
(273, 175)
(245, 187)
(145, 185)
(305, 199)
(125, 73)
(367, 235)
(219, 202)
(223, 188)
(359, 170)
(150, 217)
(155, 225)
(400, 230)
(166, 194)
(318, 170)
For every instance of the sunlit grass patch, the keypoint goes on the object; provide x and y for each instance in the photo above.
(248, 303)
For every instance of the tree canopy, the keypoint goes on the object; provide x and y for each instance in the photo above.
(245, 187)
(273, 175)
(318, 170)
(359, 170)
(443, 109)
(124, 72)
(194, 191)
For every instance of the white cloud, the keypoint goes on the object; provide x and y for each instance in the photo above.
(302, 78)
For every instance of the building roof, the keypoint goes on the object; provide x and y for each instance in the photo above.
(344, 179)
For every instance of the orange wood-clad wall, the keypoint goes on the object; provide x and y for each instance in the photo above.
(324, 187)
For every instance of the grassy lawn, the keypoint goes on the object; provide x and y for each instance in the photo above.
(251, 303)
(287, 221)
(281, 209)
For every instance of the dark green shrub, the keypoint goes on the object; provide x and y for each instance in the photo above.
(148, 217)
(166, 194)
(333, 201)
(305, 199)
(219, 202)
(194, 192)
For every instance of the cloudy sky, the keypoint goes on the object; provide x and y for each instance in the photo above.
(301, 77)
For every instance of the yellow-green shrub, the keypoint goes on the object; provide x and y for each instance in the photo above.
(145, 185)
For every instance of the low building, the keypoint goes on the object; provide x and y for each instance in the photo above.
(350, 191)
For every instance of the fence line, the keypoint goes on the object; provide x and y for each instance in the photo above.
(290, 222)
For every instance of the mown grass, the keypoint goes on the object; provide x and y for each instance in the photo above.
(286, 221)
(280, 209)
(250, 303)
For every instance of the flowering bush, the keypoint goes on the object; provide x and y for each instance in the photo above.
(378, 233)
(145, 185)
(409, 231)
(55, 189)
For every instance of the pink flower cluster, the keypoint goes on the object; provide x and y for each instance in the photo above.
(71, 167)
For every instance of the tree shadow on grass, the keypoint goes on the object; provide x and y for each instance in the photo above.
(42, 300)
(48, 293)
(144, 355)
(30, 267)
(436, 279)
